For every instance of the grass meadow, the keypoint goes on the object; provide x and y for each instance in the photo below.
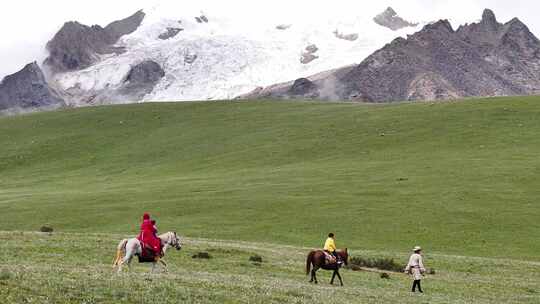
(273, 178)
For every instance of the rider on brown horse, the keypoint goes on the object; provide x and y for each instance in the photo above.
(330, 247)
(319, 259)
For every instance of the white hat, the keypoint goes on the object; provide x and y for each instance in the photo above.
(417, 248)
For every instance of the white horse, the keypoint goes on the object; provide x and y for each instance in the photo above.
(128, 248)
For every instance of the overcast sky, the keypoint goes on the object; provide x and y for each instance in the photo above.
(26, 25)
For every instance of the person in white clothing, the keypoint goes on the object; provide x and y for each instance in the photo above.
(415, 268)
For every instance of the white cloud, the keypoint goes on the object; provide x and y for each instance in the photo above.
(26, 25)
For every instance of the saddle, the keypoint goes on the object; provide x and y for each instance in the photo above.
(329, 259)
(147, 255)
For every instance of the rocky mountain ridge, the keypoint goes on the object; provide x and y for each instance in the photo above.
(27, 89)
(77, 46)
(205, 57)
(487, 58)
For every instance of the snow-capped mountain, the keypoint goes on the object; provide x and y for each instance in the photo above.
(211, 57)
(486, 58)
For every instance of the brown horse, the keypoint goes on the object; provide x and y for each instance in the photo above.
(317, 258)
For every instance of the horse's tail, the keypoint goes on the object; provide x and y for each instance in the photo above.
(309, 260)
(119, 252)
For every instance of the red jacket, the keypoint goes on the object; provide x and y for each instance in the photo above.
(148, 237)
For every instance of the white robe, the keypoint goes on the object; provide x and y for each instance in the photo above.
(415, 266)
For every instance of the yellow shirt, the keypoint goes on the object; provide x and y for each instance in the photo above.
(330, 245)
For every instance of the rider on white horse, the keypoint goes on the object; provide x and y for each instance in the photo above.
(147, 246)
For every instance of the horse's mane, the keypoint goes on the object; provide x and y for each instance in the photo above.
(167, 236)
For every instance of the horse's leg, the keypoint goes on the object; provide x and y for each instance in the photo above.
(164, 265)
(126, 260)
(314, 274)
(339, 277)
(333, 277)
(311, 274)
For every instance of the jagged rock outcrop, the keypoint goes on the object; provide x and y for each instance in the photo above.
(77, 46)
(481, 59)
(390, 19)
(123, 27)
(27, 89)
(201, 19)
(170, 33)
(142, 79)
(308, 55)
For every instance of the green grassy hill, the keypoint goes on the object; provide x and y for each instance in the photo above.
(273, 178)
(458, 178)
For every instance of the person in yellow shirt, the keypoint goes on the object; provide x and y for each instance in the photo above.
(330, 246)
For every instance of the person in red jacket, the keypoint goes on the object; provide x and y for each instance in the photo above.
(148, 236)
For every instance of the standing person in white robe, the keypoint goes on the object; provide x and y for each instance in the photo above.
(415, 268)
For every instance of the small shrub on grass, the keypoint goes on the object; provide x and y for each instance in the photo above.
(202, 255)
(46, 228)
(379, 263)
(256, 259)
(5, 275)
(385, 275)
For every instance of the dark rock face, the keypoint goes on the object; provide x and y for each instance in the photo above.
(201, 19)
(390, 19)
(482, 59)
(145, 72)
(142, 79)
(170, 33)
(123, 27)
(302, 86)
(27, 89)
(77, 46)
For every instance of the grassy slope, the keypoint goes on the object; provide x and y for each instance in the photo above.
(75, 268)
(458, 178)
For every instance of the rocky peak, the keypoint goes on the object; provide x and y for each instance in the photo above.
(390, 19)
(77, 46)
(489, 21)
(488, 17)
(125, 26)
(27, 89)
(441, 25)
(516, 36)
(515, 26)
(480, 59)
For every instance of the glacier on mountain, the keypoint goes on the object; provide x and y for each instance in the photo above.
(221, 57)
